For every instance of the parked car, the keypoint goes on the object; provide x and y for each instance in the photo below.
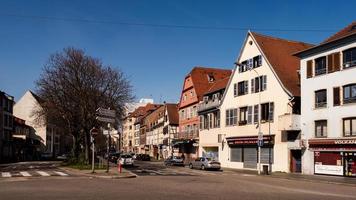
(174, 160)
(114, 156)
(143, 157)
(126, 159)
(204, 163)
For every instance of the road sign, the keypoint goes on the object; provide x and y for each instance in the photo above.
(260, 143)
(105, 119)
(106, 112)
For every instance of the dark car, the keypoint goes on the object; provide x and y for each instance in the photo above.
(143, 157)
(114, 156)
(174, 160)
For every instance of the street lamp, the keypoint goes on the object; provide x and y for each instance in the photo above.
(260, 134)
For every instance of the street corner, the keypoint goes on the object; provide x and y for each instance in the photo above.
(112, 174)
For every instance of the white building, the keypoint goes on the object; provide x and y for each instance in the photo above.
(49, 134)
(264, 83)
(328, 89)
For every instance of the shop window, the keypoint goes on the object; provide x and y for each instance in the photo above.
(321, 128)
(349, 58)
(236, 154)
(349, 126)
(349, 93)
(320, 98)
(320, 66)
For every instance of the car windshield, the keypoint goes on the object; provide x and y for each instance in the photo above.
(126, 156)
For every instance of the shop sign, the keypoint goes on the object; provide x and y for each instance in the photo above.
(345, 142)
(328, 169)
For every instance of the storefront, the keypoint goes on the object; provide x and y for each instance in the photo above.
(334, 156)
(245, 150)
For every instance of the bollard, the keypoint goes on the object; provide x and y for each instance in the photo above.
(119, 167)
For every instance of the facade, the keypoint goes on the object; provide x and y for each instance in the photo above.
(263, 95)
(170, 129)
(6, 127)
(210, 134)
(328, 89)
(196, 83)
(48, 134)
(154, 132)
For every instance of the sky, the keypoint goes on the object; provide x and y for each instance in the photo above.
(154, 58)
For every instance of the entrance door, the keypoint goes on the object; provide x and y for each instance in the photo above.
(296, 161)
(350, 164)
(250, 158)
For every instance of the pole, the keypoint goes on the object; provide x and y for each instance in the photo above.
(259, 128)
(108, 149)
(93, 154)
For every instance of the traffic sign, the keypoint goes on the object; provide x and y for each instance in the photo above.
(260, 143)
(106, 112)
(105, 119)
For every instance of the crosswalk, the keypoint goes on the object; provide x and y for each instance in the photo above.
(32, 174)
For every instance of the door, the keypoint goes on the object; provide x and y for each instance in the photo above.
(250, 157)
(296, 161)
(350, 164)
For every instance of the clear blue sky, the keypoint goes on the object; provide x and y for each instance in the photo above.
(155, 59)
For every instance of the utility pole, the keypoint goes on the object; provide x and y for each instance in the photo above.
(108, 148)
(93, 132)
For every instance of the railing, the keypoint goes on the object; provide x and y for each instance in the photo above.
(289, 122)
(208, 105)
(320, 71)
(187, 135)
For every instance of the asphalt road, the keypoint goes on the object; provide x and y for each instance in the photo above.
(171, 183)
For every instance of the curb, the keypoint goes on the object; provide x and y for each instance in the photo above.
(78, 172)
(313, 180)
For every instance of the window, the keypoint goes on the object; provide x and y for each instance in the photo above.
(249, 64)
(257, 61)
(206, 121)
(243, 116)
(267, 110)
(349, 125)
(249, 115)
(320, 99)
(321, 128)
(349, 58)
(309, 68)
(242, 88)
(211, 78)
(210, 119)
(235, 90)
(201, 122)
(231, 117)
(243, 67)
(320, 66)
(333, 62)
(350, 93)
(217, 119)
(336, 96)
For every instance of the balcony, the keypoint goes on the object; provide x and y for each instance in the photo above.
(208, 105)
(289, 122)
(187, 135)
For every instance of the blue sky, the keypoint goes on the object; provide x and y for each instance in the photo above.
(155, 59)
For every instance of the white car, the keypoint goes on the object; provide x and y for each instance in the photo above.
(126, 159)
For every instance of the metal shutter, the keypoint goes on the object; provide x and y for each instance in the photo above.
(236, 154)
(266, 153)
(250, 158)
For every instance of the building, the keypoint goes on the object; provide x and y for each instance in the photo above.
(26, 146)
(196, 83)
(263, 95)
(47, 133)
(6, 127)
(154, 132)
(210, 134)
(328, 89)
(170, 129)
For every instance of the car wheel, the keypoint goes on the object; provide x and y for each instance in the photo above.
(202, 167)
(190, 166)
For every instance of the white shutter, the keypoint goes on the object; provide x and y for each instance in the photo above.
(264, 82)
(252, 85)
(271, 111)
(235, 89)
(259, 60)
(249, 115)
(246, 87)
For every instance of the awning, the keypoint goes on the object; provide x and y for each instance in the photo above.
(329, 144)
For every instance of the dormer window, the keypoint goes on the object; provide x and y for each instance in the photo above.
(211, 78)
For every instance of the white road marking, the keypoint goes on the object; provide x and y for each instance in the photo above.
(61, 173)
(25, 174)
(6, 174)
(42, 173)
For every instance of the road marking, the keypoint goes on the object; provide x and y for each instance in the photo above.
(6, 174)
(25, 174)
(61, 173)
(42, 173)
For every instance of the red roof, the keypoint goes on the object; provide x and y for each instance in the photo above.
(172, 110)
(279, 54)
(218, 85)
(200, 79)
(347, 31)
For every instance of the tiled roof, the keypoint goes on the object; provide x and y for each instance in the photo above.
(347, 31)
(218, 85)
(279, 54)
(172, 110)
(200, 78)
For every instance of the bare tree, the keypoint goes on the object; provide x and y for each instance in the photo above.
(73, 85)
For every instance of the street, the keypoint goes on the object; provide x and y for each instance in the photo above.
(156, 181)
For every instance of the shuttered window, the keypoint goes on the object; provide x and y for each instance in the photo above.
(334, 62)
(271, 112)
(236, 154)
(252, 86)
(309, 68)
(235, 90)
(255, 114)
(336, 96)
(249, 113)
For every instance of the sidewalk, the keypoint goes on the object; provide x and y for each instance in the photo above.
(113, 173)
(302, 177)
